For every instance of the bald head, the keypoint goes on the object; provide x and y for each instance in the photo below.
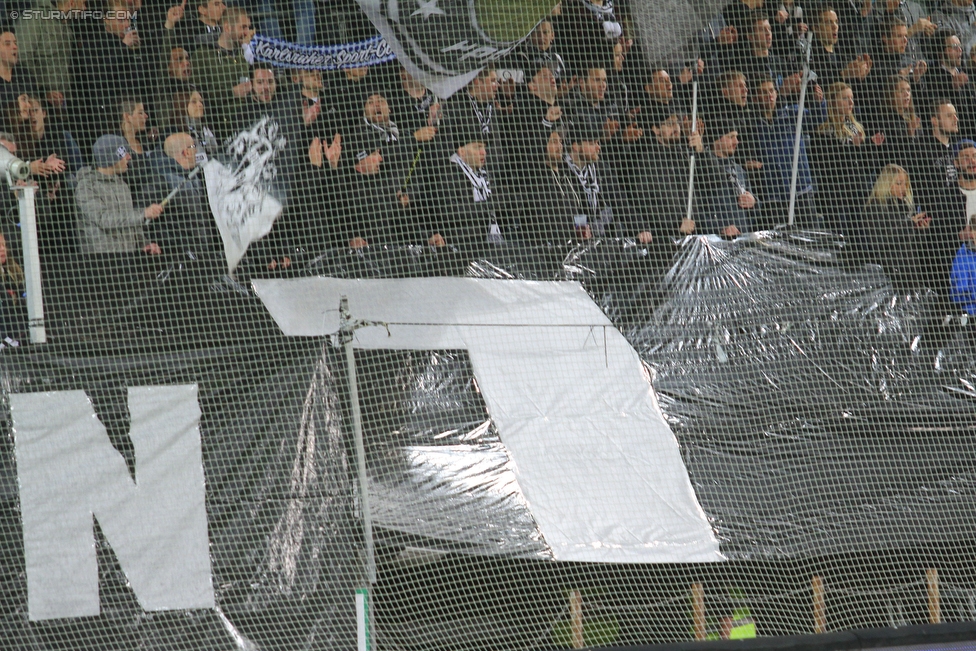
(181, 148)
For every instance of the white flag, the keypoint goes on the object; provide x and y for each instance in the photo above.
(240, 193)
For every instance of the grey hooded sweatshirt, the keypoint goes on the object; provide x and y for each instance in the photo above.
(107, 220)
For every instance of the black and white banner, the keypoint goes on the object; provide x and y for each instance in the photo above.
(240, 191)
(322, 57)
(440, 42)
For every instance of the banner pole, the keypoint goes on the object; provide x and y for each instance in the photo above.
(808, 45)
(694, 129)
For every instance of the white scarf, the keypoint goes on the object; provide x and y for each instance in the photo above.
(391, 132)
(478, 179)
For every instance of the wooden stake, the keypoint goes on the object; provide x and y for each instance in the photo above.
(935, 607)
(576, 618)
(698, 610)
(819, 606)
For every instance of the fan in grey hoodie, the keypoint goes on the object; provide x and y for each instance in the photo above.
(107, 220)
(960, 17)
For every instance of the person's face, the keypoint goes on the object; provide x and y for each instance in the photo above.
(899, 188)
(753, 4)
(766, 96)
(902, 98)
(669, 131)
(138, 118)
(946, 119)
(725, 146)
(3, 250)
(195, 107)
(311, 79)
(953, 50)
(484, 87)
(37, 116)
(736, 91)
(8, 49)
(891, 6)
(263, 85)
(587, 150)
(543, 36)
(966, 162)
(661, 88)
(897, 41)
(377, 110)
(595, 84)
(762, 35)
(118, 25)
(844, 103)
(827, 28)
(240, 32)
(544, 83)
(474, 154)
(213, 11)
(179, 63)
(355, 74)
(554, 147)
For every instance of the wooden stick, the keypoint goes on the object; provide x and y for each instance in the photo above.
(819, 606)
(935, 607)
(698, 610)
(576, 618)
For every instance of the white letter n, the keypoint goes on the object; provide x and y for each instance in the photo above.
(157, 526)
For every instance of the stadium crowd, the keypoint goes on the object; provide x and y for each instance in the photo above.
(572, 136)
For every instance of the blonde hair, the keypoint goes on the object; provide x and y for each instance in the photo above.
(881, 192)
(842, 128)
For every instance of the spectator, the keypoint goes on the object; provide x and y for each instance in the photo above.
(964, 271)
(221, 72)
(951, 221)
(15, 81)
(474, 212)
(898, 123)
(115, 47)
(108, 222)
(855, 27)
(932, 166)
(826, 60)
(608, 212)
(728, 204)
(948, 79)
(839, 160)
(13, 309)
(379, 173)
(893, 56)
(788, 20)
(594, 26)
(920, 27)
(890, 232)
(47, 48)
(958, 16)
(536, 111)
(756, 61)
(352, 83)
(550, 198)
(473, 111)
(772, 134)
(186, 230)
(589, 105)
(190, 33)
(188, 115)
(177, 79)
(539, 51)
(658, 97)
(659, 185)
(262, 100)
(418, 114)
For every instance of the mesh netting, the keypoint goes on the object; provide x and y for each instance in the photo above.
(484, 324)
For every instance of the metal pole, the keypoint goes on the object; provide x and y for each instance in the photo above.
(694, 129)
(799, 126)
(32, 264)
(348, 330)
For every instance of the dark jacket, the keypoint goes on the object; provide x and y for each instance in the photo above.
(886, 236)
(721, 181)
(186, 225)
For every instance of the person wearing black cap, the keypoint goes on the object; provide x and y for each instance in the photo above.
(727, 201)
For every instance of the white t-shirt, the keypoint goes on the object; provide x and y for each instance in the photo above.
(970, 202)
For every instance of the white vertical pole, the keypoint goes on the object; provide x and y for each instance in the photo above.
(694, 129)
(32, 264)
(363, 639)
(799, 127)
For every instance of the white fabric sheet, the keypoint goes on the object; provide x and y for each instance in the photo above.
(598, 464)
